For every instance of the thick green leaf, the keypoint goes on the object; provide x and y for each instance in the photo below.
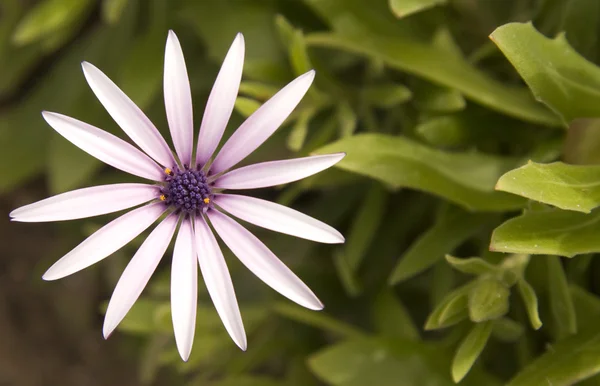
(451, 310)
(365, 225)
(112, 10)
(561, 304)
(472, 266)
(569, 361)
(386, 95)
(436, 99)
(469, 350)
(456, 73)
(467, 179)
(48, 19)
(403, 8)
(370, 362)
(551, 232)
(316, 319)
(572, 187)
(531, 303)
(445, 236)
(391, 318)
(555, 72)
(246, 106)
(507, 330)
(488, 299)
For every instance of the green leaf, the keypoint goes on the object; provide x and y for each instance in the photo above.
(436, 99)
(112, 10)
(245, 380)
(445, 236)
(391, 318)
(318, 320)
(451, 310)
(561, 304)
(370, 362)
(488, 299)
(445, 131)
(571, 187)
(403, 8)
(469, 350)
(552, 232)
(68, 166)
(507, 330)
(581, 25)
(386, 95)
(587, 306)
(572, 360)
(531, 303)
(49, 18)
(347, 119)
(467, 179)
(246, 106)
(297, 136)
(456, 73)
(472, 266)
(555, 72)
(365, 225)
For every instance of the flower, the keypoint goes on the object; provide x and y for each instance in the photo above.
(187, 190)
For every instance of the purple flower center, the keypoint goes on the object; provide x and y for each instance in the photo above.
(186, 190)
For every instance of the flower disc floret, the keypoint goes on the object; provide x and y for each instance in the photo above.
(186, 190)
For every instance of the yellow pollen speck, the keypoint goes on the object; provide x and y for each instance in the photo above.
(168, 171)
(206, 200)
(163, 197)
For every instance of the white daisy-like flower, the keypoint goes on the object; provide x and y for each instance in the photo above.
(188, 191)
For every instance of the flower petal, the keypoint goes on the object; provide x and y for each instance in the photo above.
(218, 282)
(260, 125)
(220, 102)
(137, 273)
(278, 218)
(184, 289)
(104, 146)
(273, 173)
(105, 241)
(178, 100)
(86, 202)
(128, 116)
(262, 262)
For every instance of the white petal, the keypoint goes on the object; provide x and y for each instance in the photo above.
(278, 218)
(262, 123)
(221, 100)
(86, 202)
(218, 282)
(274, 173)
(105, 241)
(104, 146)
(128, 116)
(262, 262)
(137, 273)
(178, 100)
(184, 289)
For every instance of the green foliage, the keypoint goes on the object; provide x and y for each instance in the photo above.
(471, 169)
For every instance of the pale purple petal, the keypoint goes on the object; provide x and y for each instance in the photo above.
(128, 116)
(218, 282)
(104, 146)
(137, 273)
(220, 102)
(178, 100)
(262, 262)
(107, 240)
(262, 123)
(278, 218)
(86, 202)
(184, 289)
(273, 173)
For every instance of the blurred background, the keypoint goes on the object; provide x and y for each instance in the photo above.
(445, 115)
